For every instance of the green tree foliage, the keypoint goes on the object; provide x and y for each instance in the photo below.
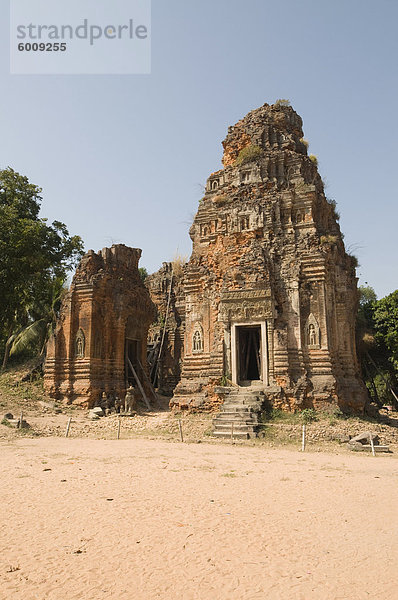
(385, 318)
(44, 312)
(143, 273)
(34, 256)
(367, 298)
(377, 341)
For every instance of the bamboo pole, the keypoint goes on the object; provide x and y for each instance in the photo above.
(118, 428)
(303, 439)
(180, 428)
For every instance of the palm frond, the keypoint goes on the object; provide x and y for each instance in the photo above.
(32, 336)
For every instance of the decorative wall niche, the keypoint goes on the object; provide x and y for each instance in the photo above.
(313, 334)
(80, 344)
(197, 339)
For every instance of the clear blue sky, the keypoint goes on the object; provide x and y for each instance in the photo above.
(122, 158)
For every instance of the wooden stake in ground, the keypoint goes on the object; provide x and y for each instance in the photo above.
(68, 426)
(372, 444)
(180, 428)
(232, 433)
(118, 428)
(21, 421)
(303, 440)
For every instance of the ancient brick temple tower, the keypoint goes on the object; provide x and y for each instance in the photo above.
(104, 321)
(270, 293)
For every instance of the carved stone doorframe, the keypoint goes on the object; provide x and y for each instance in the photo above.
(263, 346)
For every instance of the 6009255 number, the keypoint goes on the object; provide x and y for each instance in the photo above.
(42, 47)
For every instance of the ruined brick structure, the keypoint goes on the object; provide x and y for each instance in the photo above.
(264, 310)
(270, 293)
(104, 320)
(166, 335)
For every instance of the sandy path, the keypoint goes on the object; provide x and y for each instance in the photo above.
(148, 519)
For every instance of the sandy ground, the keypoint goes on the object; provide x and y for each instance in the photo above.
(140, 519)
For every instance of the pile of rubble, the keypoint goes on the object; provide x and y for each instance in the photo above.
(366, 442)
(10, 421)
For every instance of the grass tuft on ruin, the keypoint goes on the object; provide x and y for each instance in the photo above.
(248, 154)
(282, 102)
(329, 239)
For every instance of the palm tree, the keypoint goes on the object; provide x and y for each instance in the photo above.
(37, 322)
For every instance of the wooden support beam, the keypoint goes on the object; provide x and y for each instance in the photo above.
(139, 384)
(149, 382)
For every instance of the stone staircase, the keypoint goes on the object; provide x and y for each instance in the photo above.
(238, 417)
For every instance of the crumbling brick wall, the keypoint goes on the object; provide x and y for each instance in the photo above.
(107, 304)
(269, 271)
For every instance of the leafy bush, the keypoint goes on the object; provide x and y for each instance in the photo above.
(337, 413)
(248, 153)
(313, 159)
(143, 273)
(305, 142)
(354, 260)
(332, 203)
(308, 415)
(224, 381)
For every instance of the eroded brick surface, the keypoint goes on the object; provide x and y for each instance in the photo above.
(267, 301)
(269, 265)
(106, 305)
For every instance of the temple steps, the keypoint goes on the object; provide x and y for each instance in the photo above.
(238, 417)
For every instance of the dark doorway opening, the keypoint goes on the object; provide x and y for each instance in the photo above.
(132, 354)
(249, 350)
